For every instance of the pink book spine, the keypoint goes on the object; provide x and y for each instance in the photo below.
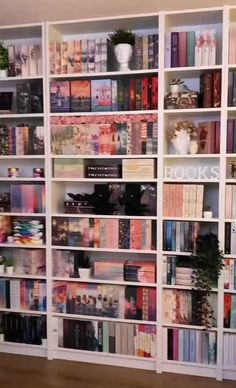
(178, 200)
(228, 201)
(182, 48)
(113, 230)
(176, 344)
(217, 137)
(232, 46)
(166, 200)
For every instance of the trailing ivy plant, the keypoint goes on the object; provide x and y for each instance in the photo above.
(207, 265)
(122, 36)
(3, 57)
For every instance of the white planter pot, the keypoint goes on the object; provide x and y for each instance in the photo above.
(84, 273)
(10, 270)
(181, 142)
(208, 214)
(1, 337)
(175, 90)
(3, 73)
(2, 269)
(123, 53)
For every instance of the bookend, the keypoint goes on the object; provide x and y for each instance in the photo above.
(131, 199)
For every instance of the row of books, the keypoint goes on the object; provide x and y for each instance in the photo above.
(230, 311)
(232, 42)
(191, 48)
(230, 201)
(108, 337)
(183, 200)
(96, 233)
(193, 346)
(23, 294)
(177, 271)
(182, 307)
(126, 138)
(29, 97)
(27, 198)
(209, 137)
(28, 231)
(231, 136)
(210, 89)
(180, 236)
(230, 238)
(78, 56)
(146, 51)
(27, 261)
(232, 88)
(27, 329)
(22, 140)
(111, 301)
(124, 94)
(230, 274)
(229, 354)
(25, 60)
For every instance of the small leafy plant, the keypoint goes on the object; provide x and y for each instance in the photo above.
(122, 36)
(3, 57)
(9, 262)
(2, 260)
(176, 81)
(208, 262)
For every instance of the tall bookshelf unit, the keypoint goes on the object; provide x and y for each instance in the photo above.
(209, 172)
(22, 127)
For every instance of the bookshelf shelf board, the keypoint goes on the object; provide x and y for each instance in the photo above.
(68, 248)
(229, 256)
(20, 78)
(30, 246)
(103, 180)
(203, 370)
(22, 157)
(99, 281)
(231, 155)
(31, 312)
(229, 367)
(15, 214)
(106, 74)
(173, 253)
(192, 69)
(178, 287)
(27, 346)
(119, 217)
(110, 113)
(229, 291)
(194, 327)
(191, 111)
(191, 156)
(95, 318)
(230, 220)
(232, 331)
(20, 115)
(230, 181)
(194, 364)
(191, 180)
(231, 108)
(19, 276)
(20, 179)
(232, 66)
(146, 156)
(105, 354)
(191, 219)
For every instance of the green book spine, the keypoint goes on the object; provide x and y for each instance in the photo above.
(190, 48)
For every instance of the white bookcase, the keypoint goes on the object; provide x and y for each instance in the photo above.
(219, 19)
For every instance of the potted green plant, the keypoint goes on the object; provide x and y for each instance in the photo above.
(2, 264)
(84, 265)
(208, 262)
(123, 40)
(9, 264)
(3, 61)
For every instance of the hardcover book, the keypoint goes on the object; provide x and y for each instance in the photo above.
(80, 96)
(101, 95)
(60, 96)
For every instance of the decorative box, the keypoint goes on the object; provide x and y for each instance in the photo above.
(185, 100)
(103, 171)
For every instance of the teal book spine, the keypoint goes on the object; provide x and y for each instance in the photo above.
(190, 48)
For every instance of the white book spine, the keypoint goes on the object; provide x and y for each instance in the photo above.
(198, 48)
(212, 48)
(226, 350)
(205, 48)
(24, 53)
(167, 49)
(233, 238)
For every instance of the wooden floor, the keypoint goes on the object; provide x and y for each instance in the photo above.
(32, 372)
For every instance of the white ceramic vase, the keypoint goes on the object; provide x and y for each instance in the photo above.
(175, 90)
(3, 73)
(10, 270)
(123, 52)
(84, 273)
(181, 142)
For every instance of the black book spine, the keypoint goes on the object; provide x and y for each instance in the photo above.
(227, 238)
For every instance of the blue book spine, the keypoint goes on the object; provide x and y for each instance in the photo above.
(192, 346)
(173, 234)
(168, 236)
(186, 345)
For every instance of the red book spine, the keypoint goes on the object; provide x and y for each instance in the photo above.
(154, 104)
(216, 89)
(227, 310)
(217, 137)
(145, 93)
(132, 94)
(230, 136)
(182, 48)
